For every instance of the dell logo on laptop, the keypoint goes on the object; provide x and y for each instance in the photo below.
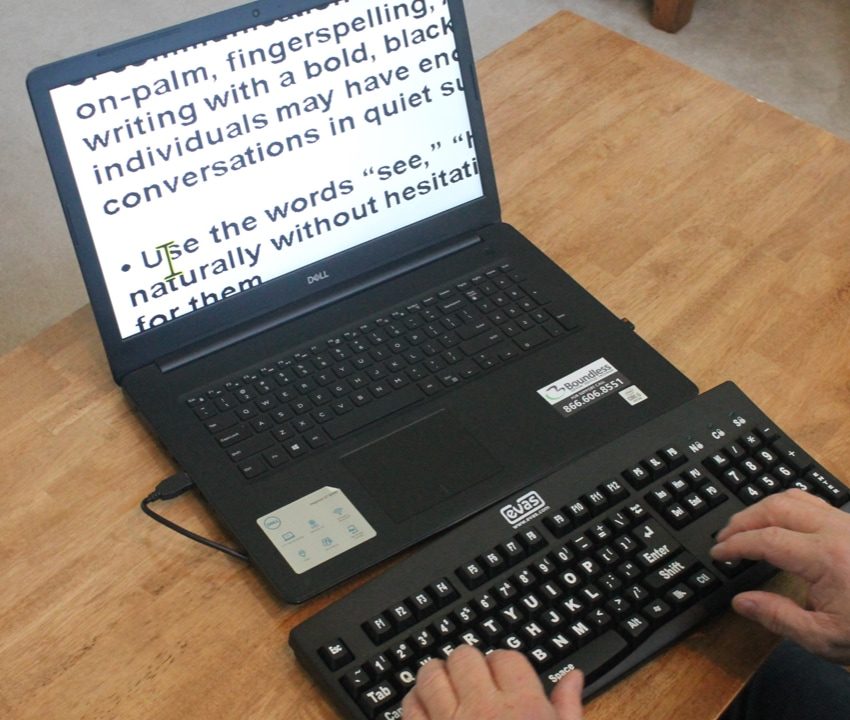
(318, 277)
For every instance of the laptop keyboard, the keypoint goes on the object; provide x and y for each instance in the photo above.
(306, 400)
(597, 566)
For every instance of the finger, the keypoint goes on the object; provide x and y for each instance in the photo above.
(411, 708)
(787, 550)
(469, 673)
(783, 616)
(434, 690)
(512, 672)
(793, 510)
(566, 697)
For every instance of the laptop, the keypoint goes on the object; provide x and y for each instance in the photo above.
(287, 221)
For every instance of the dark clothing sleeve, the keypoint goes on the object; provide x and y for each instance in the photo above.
(793, 684)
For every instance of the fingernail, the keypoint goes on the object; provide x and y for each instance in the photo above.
(745, 606)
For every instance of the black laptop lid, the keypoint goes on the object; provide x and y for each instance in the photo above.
(220, 170)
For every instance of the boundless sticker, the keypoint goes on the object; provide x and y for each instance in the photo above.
(588, 385)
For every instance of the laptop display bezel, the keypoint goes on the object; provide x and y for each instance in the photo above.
(128, 354)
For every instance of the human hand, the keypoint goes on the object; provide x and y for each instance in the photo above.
(799, 533)
(499, 686)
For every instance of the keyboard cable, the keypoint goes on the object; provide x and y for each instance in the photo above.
(170, 488)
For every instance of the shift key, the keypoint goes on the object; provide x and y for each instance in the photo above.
(670, 572)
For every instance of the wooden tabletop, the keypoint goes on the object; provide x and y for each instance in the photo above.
(717, 224)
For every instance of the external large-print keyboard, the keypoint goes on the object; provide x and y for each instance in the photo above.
(597, 566)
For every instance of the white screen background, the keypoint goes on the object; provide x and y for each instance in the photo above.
(213, 233)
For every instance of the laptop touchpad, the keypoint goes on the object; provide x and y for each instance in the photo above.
(421, 465)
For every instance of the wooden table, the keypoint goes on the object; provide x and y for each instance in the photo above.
(717, 224)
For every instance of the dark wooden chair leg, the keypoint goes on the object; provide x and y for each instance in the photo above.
(671, 15)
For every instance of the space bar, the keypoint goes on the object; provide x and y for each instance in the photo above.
(592, 659)
(375, 410)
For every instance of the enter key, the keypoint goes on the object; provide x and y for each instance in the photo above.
(658, 545)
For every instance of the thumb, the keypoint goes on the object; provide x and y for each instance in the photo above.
(566, 697)
(783, 617)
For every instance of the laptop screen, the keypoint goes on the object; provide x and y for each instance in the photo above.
(210, 170)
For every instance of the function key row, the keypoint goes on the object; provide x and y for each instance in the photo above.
(586, 507)
(403, 614)
(498, 559)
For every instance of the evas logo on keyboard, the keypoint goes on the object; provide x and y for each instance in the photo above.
(524, 508)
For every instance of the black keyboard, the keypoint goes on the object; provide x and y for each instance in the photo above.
(597, 566)
(293, 405)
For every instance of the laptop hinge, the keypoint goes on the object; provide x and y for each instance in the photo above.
(177, 360)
